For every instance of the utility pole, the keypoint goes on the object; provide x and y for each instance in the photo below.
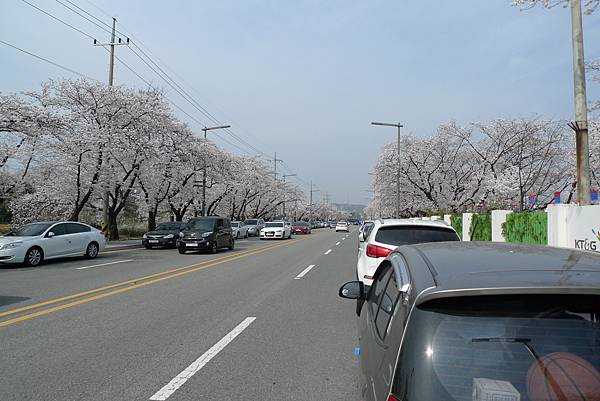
(111, 68)
(311, 200)
(580, 126)
(284, 177)
(205, 130)
(397, 125)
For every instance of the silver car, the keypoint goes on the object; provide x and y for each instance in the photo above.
(239, 229)
(254, 226)
(35, 242)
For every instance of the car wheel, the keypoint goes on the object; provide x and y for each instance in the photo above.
(246, 236)
(34, 256)
(92, 250)
(231, 244)
(181, 251)
(213, 248)
(237, 236)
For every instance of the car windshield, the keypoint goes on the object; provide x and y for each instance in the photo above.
(300, 224)
(251, 222)
(168, 227)
(236, 224)
(275, 224)
(526, 348)
(30, 230)
(406, 235)
(200, 225)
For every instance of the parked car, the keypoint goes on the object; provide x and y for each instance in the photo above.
(480, 321)
(240, 229)
(332, 224)
(342, 226)
(254, 226)
(206, 234)
(33, 243)
(301, 227)
(276, 229)
(385, 235)
(165, 234)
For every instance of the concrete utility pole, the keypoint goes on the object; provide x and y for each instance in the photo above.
(205, 130)
(580, 126)
(284, 177)
(311, 201)
(397, 125)
(111, 68)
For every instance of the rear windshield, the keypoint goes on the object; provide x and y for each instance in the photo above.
(527, 348)
(274, 225)
(251, 222)
(406, 235)
(300, 224)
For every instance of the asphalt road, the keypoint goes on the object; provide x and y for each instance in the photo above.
(252, 324)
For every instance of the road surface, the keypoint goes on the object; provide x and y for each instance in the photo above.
(263, 322)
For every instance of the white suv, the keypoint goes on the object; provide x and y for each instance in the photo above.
(388, 234)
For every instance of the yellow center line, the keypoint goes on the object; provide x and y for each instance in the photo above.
(134, 284)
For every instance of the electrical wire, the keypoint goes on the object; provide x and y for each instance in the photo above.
(48, 61)
(84, 17)
(59, 20)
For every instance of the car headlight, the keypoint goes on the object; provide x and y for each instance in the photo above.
(207, 234)
(12, 245)
(180, 235)
(279, 231)
(169, 236)
(144, 236)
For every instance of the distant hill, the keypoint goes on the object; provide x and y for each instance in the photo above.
(355, 209)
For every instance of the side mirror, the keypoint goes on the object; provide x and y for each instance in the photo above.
(50, 235)
(361, 237)
(352, 290)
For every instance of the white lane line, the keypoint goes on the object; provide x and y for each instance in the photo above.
(104, 264)
(303, 272)
(337, 243)
(328, 252)
(199, 363)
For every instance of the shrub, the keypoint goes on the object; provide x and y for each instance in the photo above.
(526, 227)
(456, 223)
(481, 227)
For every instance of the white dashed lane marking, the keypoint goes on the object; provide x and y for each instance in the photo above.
(303, 272)
(199, 363)
(104, 264)
(328, 252)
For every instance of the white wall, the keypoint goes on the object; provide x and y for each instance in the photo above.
(498, 217)
(466, 226)
(448, 219)
(573, 226)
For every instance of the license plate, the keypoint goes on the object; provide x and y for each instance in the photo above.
(270, 234)
(191, 244)
(153, 241)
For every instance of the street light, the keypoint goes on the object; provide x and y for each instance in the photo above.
(284, 176)
(206, 129)
(397, 125)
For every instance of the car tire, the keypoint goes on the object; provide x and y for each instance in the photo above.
(237, 235)
(231, 245)
(92, 250)
(34, 256)
(213, 248)
(181, 251)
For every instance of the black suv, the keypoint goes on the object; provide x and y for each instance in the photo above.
(165, 234)
(206, 234)
(480, 321)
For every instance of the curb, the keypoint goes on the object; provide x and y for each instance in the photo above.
(122, 247)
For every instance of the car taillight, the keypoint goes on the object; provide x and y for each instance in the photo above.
(376, 251)
(392, 397)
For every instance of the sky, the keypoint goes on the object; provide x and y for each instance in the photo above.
(304, 78)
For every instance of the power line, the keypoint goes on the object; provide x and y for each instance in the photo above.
(48, 61)
(84, 17)
(59, 20)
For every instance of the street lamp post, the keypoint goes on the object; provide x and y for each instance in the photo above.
(206, 129)
(397, 125)
(284, 177)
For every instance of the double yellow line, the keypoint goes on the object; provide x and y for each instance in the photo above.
(117, 288)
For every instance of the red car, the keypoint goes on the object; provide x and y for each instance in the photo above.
(300, 227)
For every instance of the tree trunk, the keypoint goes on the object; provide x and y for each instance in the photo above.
(151, 220)
(112, 225)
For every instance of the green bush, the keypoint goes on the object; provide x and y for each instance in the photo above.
(481, 227)
(526, 227)
(456, 223)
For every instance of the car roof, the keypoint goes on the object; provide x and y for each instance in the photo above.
(487, 268)
(413, 222)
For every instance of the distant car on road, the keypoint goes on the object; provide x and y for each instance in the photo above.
(206, 234)
(276, 229)
(342, 226)
(332, 224)
(240, 229)
(33, 243)
(165, 234)
(387, 234)
(301, 227)
(254, 226)
(480, 321)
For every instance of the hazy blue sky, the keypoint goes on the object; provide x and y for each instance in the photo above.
(304, 78)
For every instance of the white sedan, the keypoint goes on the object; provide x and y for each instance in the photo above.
(276, 229)
(34, 242)
(342, 226)
(239, 229)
